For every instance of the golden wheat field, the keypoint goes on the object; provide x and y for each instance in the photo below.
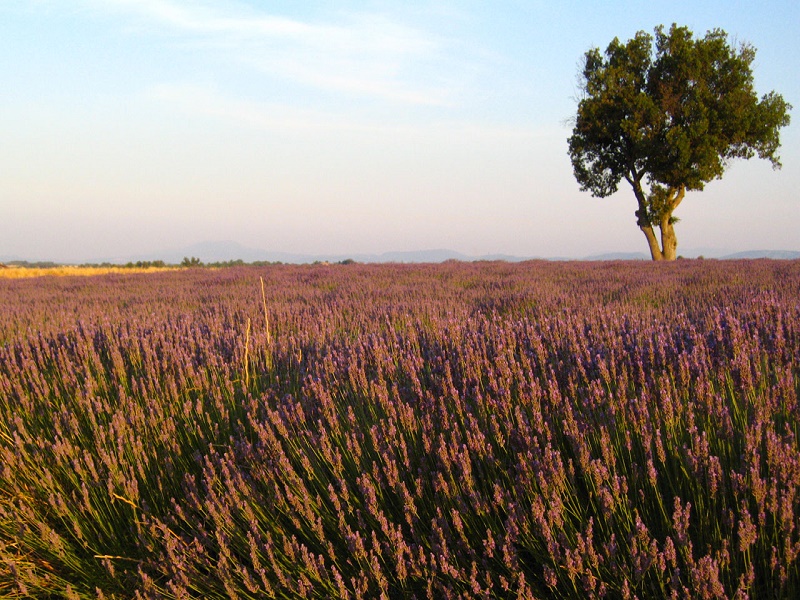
(62, 271)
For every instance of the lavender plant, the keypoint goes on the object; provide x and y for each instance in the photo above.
(538, 430)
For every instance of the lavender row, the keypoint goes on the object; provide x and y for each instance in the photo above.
(458, 430)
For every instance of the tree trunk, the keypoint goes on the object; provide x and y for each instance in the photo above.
(652, 242)
(669, 241)
(642, 219)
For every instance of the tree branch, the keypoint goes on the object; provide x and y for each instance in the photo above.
(680, 193)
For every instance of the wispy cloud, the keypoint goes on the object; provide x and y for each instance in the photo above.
(208, 101)
(368, 55)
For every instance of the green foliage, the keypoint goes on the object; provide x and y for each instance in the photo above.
(44, 264)
(227, 263)
(670, 111)
(143, 264)
(191, 262)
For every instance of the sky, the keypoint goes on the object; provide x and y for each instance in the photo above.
(133, 126)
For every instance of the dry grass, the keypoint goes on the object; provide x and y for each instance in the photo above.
(22, 272)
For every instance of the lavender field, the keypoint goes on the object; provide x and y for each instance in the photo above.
(463, 430)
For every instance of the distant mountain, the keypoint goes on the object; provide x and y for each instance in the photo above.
(413, 256)
(776, 254)
(214, 251)
(618, 256)
(223, 251)
(431, 256)
(707, 253)
(704, 251)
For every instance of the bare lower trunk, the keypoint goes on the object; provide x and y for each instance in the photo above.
(652, 241)
(669, 241)
(642, 219)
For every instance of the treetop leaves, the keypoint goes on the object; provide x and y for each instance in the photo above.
(671, 109)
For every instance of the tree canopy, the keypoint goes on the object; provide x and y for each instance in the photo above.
(668, 113)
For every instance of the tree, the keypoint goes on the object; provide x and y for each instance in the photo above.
(668, 114)
(191, 262)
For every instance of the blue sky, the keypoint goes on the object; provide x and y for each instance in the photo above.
(131, 126)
